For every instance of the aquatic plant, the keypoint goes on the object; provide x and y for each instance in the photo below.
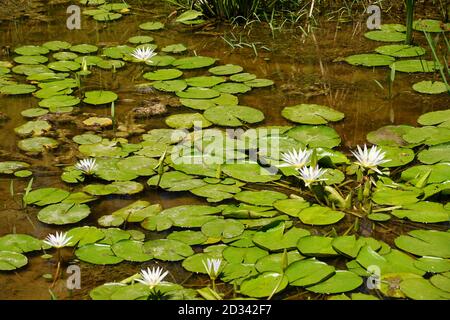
(297, 159)
(152, 277)
(409, 21)
(311, 175)
(370, 159)
(213, 268)
(144, 54)
(87, 166)
(57, 241)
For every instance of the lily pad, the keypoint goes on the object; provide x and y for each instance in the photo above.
(317, 246)
(370, 60)
(401, 50)
(191, 216)
(397, 156)
(170, 85)
(12, 260)
(131, 250)
(341, 281)
(34, 128)
(84, 48)
(20, 243)
(99, 97)
(30, 50)
(59, 101)
(233, 116)
(412, 66)
(187, 121)
(151, 26)
(435, 154)
(17, 89)
(168, 250)
(226, 70)
(318, 215)
(223, 228)
(163, 74)
(204, 81)
(311, 114)
(194, 62)
(390, 136)
(430, 25)
(308, 272)
(425, 243)
(175, 48)
(260, 198)
(45, 196)
(232, 87)
(64, 213)
(9, 167)
(275, 239)
(433, 264)
(97, 254)
(37, 144)
(425, 212)
(422, 289)
(431, 87)
(291, 207)
(189, 237)
(264, 285)
(315, 136)
(386, 36)
(249, 172)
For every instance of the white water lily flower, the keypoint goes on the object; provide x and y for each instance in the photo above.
(297, 159)
(311, 174)
(152, 277)
(88, 166)
(58, 241)
(212, 267)
(143, 54)
(370, 159)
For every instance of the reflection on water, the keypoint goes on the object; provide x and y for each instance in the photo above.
(302, 68)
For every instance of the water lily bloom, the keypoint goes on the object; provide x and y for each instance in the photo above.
(88, 166)
(311, 175)
(58, 241)
(212, 267)
(297, 159)
(143, 54)
(370, 159)
(152, 277)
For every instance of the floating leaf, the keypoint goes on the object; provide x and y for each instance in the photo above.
(12, 260)
(20, 243)
(425, 243)
(233, 116)
(17, 89)
(175, 48)
(187, 121)
(131, 250)
(193, 62)
(97, 254)
(275, 239)
(318, 215)
(264, 285)
(163, 74)
(168, 250)
(341, 281)
(223, 228)
(370, 60)
(311, 114)
(99, 97)
(386, 36)
(421, 289)
(232, 88)
(204, 81)
(63, 213)
(315, 136)
(170, 85)
(430, 25)
(431, 87)
(226, 70)
(401, 50)
(412, 66)
(308, 272)
(425, 212)
(249, 172)
(9, 167)
(45, 196)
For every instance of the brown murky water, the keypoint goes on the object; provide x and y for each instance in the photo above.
(302, 68)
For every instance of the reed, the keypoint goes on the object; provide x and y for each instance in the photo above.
(409, 20)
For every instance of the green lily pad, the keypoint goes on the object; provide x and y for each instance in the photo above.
(226, 99)
(317, 246)
(31, 59)
(30, 50)
(431, 87)
(59, 102)
(216, 193)
(318, 215)
(264, 285)
(397, 156)
(278, 261)
(9, 167)
(311, 114)
(243, 77)
(163, 74)
(175, 48)
(65, 55)
(430, 25)
(107, 16)
(168, 250)
(401, 50)
(249, 172)
(12, 260)
(37, 144)
(350, 247)
(275, 239)
(233, 116)
(161, 61)
(315, 136)
(232, 88)
(379, 217)
(393, 27)
(20, 243)
(64, 66)
(223, 228)
(187, 121)
(425, 243)
(151, 26)
(33, 112)
(260, 198)
(194, 263)
(441, 281)
(425, 212)
(439, 173)
(386, 36)
(434, 118)
(84, 235)
(100, 97)
(370, 60)
(34, 128)
(291, 207)
(204, 81)
(341, 281)
(140, 39)
(97, 254)
(131, 250)
(226, 70)
(422, 289)
(157, 223)
(433, 264)
(170, 85)
(198, 93)
(17, 89)
(63, 213)
(189, 15)
(45, 196)
(30, 69)
(412, 66)
(57, 45)
(110, 221)
(259, 83)
(435, 154)
(308, 272)
(390, 136)
(194, 62)
(84, 48)
(395, 197)
(189, 237)
(191, 216)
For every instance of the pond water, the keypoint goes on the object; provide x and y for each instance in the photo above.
(303, 69)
